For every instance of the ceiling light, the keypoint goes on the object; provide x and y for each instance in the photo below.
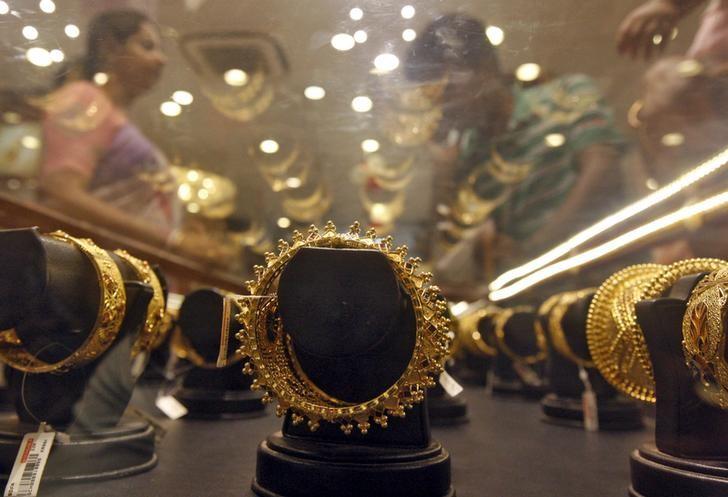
(343, 42)
(208, 183)
(362, 103)
(72, 31)
(691, 177)
(4, 8)
(652, 184)
(170, 109)
(673, 139)
(408, 12)
(314, 92)
(101, 78)
(57, 55)
(409, 34)
(193, 208)
(356, 14)
(657, 39)
(495, 35)
(183, 97)
(283, 222)
(528, 72)
(39, 57)
(47, 6)
(235, 77)
(370, 146)
(30, 142)
(184, 192)
(30, 33)
(361, 36)
(386, 62)
(293, 182)
(193, 175)
(554, 140)
(269, 146)
(202, 194)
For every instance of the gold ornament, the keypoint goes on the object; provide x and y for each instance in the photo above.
(556, 330)
(272, 360)
(469, 335)
(112, 307)
(704, 337)
(500, 335)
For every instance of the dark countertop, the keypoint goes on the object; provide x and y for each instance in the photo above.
(504, 451)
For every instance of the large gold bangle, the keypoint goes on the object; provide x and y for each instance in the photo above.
(556, 329)
(611, 347)
(154, 330)
(500, 336)
(272, 360)
(112, 307)
(704, 337)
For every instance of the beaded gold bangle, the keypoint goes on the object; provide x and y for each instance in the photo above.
(500, 335)
(272, 360)
(154, 330)
(704, 337)
(112, 307)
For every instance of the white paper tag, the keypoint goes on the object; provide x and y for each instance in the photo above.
(527, 374)
(29, 464)
(171, 407)
(452, 387)
(591, 413)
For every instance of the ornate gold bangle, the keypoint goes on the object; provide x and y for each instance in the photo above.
(153, 331)
(612, 349)
(112, 307)
(272, 360)
(500, 336)
(556, 329)
(704, 337)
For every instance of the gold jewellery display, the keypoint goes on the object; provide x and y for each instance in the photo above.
(272, 358)
(501, 320)
(704, 336)
(555, 316)
(112, 307)
(468, 329)
(615, 339)
(155, 325)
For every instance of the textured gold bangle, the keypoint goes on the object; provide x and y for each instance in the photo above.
(272, 361)
(469, 333)
(625, 307)
(112, 307)
(556, 329)
(704, 337)
(611, 347)
(500, 336)
(154, 330)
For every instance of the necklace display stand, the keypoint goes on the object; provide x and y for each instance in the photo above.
(353, 331)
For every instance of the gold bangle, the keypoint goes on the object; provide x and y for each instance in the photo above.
(556, 329)
(611, 347)
(273, 363)
(469, 334)
(153, 331)
(500, 335)
(112, 307)
(704, 337)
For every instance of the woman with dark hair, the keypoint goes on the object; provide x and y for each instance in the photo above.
(521, 167)
(98, 166)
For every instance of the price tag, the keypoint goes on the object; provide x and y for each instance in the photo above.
(452, 387)
(589, 403)
(171, 407)
(29, 464)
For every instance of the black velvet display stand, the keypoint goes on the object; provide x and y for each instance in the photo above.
(49, 294)
(690, 454)
(474, 369)
(506, 381)
(564, 404)
(215, 393)
(444, 409)
(353, 331)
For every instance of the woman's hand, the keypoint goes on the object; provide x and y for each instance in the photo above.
(637, 30)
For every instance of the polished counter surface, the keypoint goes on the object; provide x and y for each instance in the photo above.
(506, 450)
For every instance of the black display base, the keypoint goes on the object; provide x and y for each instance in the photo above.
(516, 389)
(447, 411)
(614, 414)
(291, 467)
(656, 474)
(125, 450)
(220, 404)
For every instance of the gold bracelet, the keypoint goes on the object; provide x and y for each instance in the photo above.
(272, 360)
(154, 330)
(112, 307)
(611, 347)
(469, 333)
(704, 337)
(556, 329)
(500, 335)
(627, 315)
